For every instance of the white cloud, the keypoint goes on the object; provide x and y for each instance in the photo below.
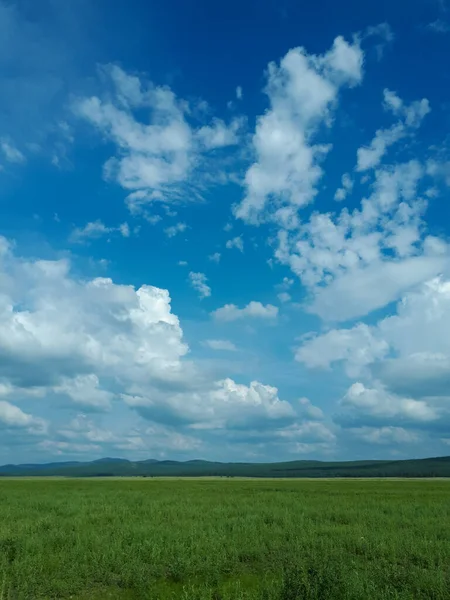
(358, 347)
(14, 418)
(97, 229)
(361, 291)
(236, 242)
(239, 92)
(225, 345)
(174, 230)
(404, 359)
(230, 312)
(219, 134)
(155, 159)
(370, 156)
(107, 347)
(85, 391)
(215, 257)
(124, 230)
(302, 91)
(411, 348)
(226, 405)
(356, 262)
(198, 282)
(284, 297)
(346, 189)
(366, 405)
(182, 263)
(55, 328)
(10, 152)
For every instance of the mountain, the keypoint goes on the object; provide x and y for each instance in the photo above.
(110, 467)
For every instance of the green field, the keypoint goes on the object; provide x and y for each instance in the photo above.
(224, 539)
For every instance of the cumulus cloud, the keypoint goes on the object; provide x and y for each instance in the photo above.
(97, 229)
(358, 261)
(346, 189)
(404, 360)
(157, 159)
(302, 91)
(215, 257)
(198, 282)
(55, 328)
(412, 115)
(363, 406)
(225, 405)
(236, 242)
(105, 348)
(174, 230)
(12, 417)
(358, 347)
(231, 312)
(408, 351)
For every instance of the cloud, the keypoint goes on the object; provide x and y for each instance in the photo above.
(12, 417)
(215, 257)
(85, 391)
(97, 229)
(347, 187)
(411, 347)
(56, 328)
(302, 91)
(174, 230)
(118, 353)
(369, 406)
(219, 135)
(220, 345)
(284, 297)
(370, 156)
(198, 282)
(382, 31)
(403, 360)
(439, 26)
(358, 347)
(156, 160)
(236, 242)
(230, 312)
(11, 153)
(226, 405)
(388, 435)
(356, 262)
(361, 291)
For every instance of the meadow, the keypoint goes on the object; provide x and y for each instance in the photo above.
(224, 539)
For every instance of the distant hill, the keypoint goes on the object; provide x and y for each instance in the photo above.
(117, 467)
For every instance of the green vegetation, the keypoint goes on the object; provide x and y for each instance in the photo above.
(110, 467)
(225, 539)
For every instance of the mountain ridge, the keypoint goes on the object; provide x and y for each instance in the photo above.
(120, 467)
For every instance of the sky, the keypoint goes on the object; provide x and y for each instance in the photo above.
(224, 230)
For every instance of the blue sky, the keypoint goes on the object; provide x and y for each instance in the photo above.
(224, 230)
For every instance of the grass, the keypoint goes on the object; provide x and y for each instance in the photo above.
(224, 539)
